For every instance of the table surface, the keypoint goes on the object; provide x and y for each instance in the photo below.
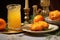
(28, 36)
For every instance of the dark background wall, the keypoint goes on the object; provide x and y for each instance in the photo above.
(55, 5)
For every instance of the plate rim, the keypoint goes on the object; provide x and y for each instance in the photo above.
(47, 18)
(56, 27)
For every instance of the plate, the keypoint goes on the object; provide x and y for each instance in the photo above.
(12, 32)
(52, 21)
(50, 29)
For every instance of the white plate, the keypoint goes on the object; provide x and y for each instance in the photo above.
(50, 29)
(52, 21)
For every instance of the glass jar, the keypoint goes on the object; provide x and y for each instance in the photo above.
(14, 17)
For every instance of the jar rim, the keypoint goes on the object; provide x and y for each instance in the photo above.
(13, 5)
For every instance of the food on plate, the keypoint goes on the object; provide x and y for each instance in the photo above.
(38, 18)
(39, 26)
(44, 24)
(54, 15)
(2, 24)
(36, 27)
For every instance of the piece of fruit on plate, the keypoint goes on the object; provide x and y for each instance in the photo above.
(2, 24)
(54, 15)
(39, 26)
(38, 18)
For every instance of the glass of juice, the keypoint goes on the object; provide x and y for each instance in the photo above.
(14, 17)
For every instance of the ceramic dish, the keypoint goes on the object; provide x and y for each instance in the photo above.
(52, 21)
(50, 29)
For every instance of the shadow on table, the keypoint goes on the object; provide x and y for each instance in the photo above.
(35, 34)
(40, 34)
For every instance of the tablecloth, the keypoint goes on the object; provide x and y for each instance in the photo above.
(25, 36)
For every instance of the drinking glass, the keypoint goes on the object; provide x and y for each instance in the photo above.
(14, 17)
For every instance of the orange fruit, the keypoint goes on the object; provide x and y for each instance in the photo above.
(38, 18)
(54, 15)
(2, 24)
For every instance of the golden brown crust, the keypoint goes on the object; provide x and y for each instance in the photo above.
(54, 15)
(39, 26)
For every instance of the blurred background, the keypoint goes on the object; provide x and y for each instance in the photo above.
(54, 5)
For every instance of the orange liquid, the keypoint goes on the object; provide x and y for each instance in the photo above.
(14, 19)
